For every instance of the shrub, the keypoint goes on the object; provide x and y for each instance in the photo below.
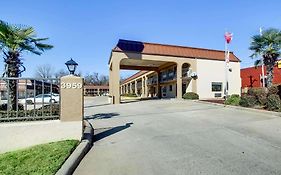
(3, 107)
(251, 92)
(273, 102)
(190, 96)
(234, 99)
(279, 90)
(261, 96)
(273, 90)
(248, 101)
(130, 95)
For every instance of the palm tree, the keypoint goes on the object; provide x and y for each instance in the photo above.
(14, 40)
(267, 45)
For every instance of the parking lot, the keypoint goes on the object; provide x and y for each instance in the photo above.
(180, 137)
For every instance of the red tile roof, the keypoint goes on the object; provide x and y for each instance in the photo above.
(140, 73)
(96, 86)
(171, 50)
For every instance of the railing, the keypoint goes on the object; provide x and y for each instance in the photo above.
(29, 99)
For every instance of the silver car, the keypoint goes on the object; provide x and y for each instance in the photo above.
(42, 98)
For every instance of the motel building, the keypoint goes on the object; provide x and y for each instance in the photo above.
(96, 90)
(169, 71)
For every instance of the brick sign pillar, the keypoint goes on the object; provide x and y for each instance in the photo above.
(72, 98)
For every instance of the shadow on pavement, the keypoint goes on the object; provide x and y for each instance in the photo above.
(91, 106)
(102, 116)
(124, 101)
(111, 131)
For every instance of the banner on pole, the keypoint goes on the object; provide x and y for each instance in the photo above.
(228, 37)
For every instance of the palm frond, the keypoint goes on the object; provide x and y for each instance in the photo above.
(21, 38)
(257, 63)
(30, 48)
(269, 43)
(43, 47)
(38, 39)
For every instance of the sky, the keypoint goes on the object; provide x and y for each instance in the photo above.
(87, 30)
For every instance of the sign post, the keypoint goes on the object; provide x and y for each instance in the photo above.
(72, 98)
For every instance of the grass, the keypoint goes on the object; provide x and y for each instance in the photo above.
(41, 159)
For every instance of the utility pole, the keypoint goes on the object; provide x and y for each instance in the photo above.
(228, 38)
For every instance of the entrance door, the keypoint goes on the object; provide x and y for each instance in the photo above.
(183, 89)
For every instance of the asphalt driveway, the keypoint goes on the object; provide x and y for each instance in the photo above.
(171, 137)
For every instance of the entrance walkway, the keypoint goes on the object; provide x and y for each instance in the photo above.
(181, 137)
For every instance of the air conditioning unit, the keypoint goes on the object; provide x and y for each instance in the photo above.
(218, 95)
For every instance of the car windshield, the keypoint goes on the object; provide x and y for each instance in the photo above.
(39, 96)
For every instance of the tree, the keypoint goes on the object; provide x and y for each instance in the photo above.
(96, 79)
(14, 40)
(104, 80)
(267, 45)
(61, 73)
(44, 71)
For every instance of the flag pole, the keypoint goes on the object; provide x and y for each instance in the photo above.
(228, 38)
(226, 71)
(262, 65)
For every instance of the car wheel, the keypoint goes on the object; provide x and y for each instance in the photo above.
(52, 101)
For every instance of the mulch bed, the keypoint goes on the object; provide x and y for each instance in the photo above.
(219, 101)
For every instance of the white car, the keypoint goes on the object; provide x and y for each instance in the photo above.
(39, 99)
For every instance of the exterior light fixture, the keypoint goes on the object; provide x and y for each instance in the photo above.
(194, 75)
(71, 66)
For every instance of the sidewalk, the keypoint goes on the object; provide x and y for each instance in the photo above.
(24, 134)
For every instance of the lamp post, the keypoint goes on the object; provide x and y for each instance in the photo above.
(71, 66)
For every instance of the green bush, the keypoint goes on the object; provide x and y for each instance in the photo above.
(251, 92)
(3, 107)
(190, 96)
(273, 102)
(129, 95)
(261, 96)
(33, 114)
(234, 99)
(272, 90)
(248, 101)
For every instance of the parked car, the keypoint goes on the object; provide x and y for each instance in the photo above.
(46, 98)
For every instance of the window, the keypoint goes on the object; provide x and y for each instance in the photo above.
(46, 96)
(164, 89)
(171, 88)
(171, 74)
(216, 86)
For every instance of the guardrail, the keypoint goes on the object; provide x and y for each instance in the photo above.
(29, 99)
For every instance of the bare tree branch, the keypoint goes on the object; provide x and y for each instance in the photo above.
(44, 71)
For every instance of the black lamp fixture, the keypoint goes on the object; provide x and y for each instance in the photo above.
(71, 66)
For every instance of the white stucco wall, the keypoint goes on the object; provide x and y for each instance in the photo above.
(209, 71)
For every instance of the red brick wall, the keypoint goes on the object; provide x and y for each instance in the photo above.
(250, 77)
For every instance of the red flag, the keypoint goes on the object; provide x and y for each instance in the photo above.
(228, 37)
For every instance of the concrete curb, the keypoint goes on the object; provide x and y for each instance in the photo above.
(81, 150)
(278, 114)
